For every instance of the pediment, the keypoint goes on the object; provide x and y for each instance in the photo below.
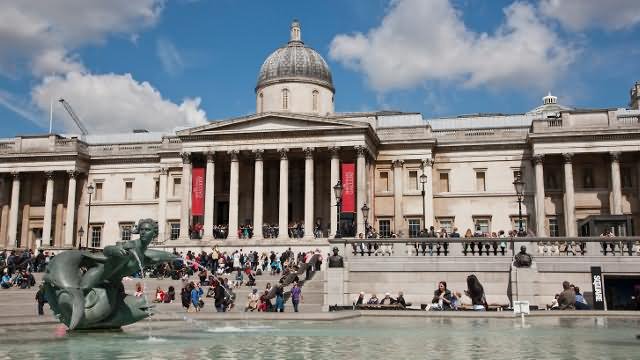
(270, 123)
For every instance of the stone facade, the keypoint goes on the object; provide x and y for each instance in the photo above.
(280, 166)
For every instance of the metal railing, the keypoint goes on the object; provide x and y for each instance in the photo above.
(496, 247)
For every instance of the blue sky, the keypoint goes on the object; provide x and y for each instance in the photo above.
(161, 64)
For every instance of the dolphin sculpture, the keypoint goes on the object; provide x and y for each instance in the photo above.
(85, 290)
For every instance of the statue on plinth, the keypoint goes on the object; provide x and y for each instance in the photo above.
(85, 291)
(522, 259)
(335, 260)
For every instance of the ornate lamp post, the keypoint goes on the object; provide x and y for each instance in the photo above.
(90, 190)
(423, 180)
(365, 215)
(519, 185)
(80, 236)
(337, 190)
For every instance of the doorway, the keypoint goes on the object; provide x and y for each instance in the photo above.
(222, 212)
(622, 292)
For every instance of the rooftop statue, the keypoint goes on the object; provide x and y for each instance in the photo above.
(85, 291)
(522, 259)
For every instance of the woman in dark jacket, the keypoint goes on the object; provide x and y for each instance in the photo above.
(441, 297)
(476, 292)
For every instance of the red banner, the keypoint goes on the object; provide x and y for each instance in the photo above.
(348, 187)
(197, 192)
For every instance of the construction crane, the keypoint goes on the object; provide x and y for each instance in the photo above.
(74, 117)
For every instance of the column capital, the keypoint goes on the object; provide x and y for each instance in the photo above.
(537, 159)
(308, 152)
(360, 150)
(567, 157)
(398, 163)
(615, 156)
(211, 156)
(428, 162)
(73, 173)
(16, 175)
(186, 157)
(164, 170)
(283, 153)
(233, 154)
(335, 151)
(258, 154)
(49, 175)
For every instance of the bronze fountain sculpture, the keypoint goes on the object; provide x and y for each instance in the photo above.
(84, 289)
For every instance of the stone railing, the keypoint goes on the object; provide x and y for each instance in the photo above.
(466, 134)
(496, 247)
(629, 120)
(6, 147)
(404, 133)
(128, 149)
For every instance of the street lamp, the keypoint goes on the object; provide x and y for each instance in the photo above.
(519, 185)
(423, 180)
(80, 236)
(90, 190)
(365, 215)
(337, 190)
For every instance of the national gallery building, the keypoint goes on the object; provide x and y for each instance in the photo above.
(279, 166)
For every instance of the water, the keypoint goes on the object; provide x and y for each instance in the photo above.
(145, 291)
(361, 338)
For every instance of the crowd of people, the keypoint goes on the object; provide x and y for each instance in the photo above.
(295, 230)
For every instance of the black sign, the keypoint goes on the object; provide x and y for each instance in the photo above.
(597, 285)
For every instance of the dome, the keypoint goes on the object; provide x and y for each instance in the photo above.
(549, 105)
(295, 62)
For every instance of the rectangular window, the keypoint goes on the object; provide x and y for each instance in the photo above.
(156, 189)
(125, 231)
(175, 230)
(587, 178)
(96, 236)
(128, 190)
(482, 226)
(446, 223)
(414, 227)
(551, 181)
(383, 181)
(177, 187)
(626, 178)
(444, 182)
(515, 224)
(413, 180)
(384, 227)
(98, 194)
(554, 229)
(480, 183)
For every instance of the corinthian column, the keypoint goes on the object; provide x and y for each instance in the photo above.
(162, 205)
(540, 213)
(361, 196)
(185, 205)
(427, 169)
(569, 197)
(258, 195)
(71, 210)
(234, 195)
(308, 193)
(209, 192)
(48, 210)
(335, 176)
(398, 219)
(616, 188)
(13, 212)
(283, 207)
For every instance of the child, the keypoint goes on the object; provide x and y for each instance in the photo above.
(239, 278)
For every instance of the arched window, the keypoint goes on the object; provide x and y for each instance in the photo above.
(285, 99)
(315, 100)
(261, 103)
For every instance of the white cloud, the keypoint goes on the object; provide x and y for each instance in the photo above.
(170, 57)
(423, 40)
(42, 34)
(113, 103)
(578, 15)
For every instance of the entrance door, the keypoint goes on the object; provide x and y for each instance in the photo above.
(622, 292)
(222, 212)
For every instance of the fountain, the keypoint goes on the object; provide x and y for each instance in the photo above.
(85, 290)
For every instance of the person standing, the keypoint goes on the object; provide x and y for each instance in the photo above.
(41, 299)
(476, 292)
(296, 296)
(279, 299)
